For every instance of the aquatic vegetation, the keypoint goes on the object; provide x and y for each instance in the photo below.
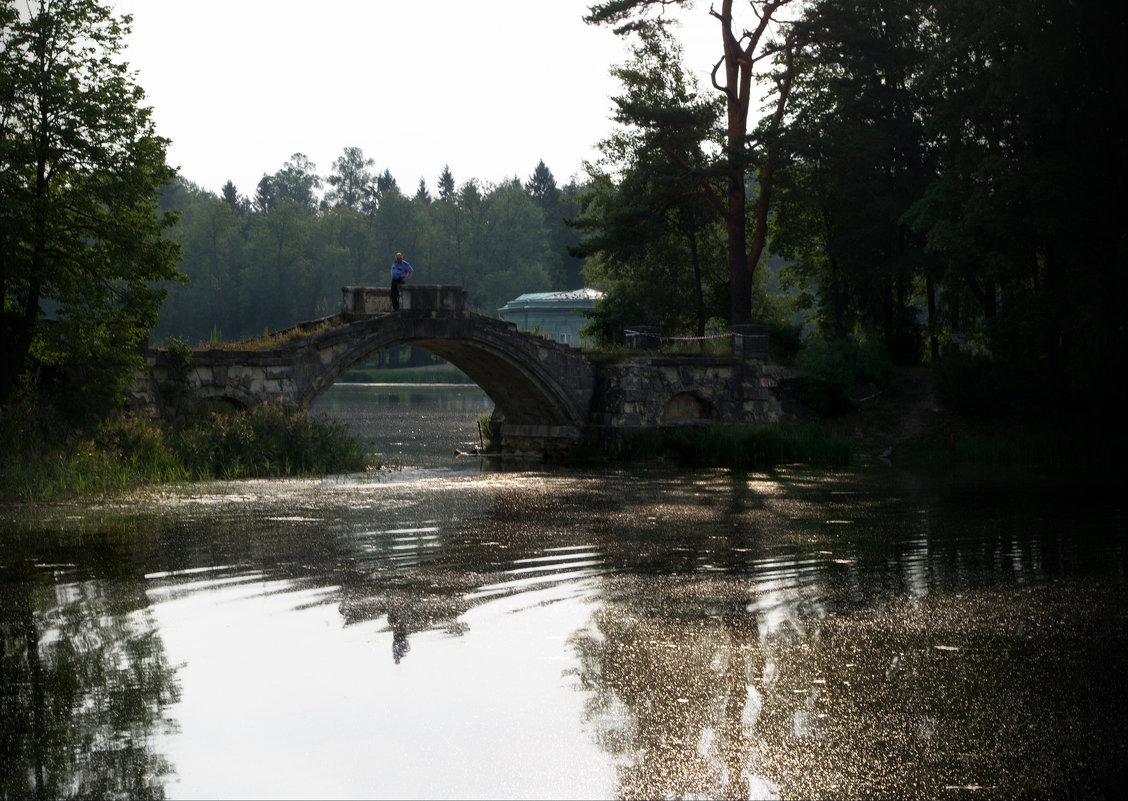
(765, 446)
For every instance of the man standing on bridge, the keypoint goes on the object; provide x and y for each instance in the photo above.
(401, 270)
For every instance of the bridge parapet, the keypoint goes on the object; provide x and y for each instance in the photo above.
(366, 301)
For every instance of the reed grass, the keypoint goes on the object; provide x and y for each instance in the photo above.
(271, 440)
(485, 433)
(42, 460)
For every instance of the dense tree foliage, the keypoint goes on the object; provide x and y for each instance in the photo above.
(81, 167)
(855, 135)
(743, 154)
(283, 257)
(956, 185)
(657, 247)
(945, 180)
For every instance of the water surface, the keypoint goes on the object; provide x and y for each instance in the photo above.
(416, 425)
(472, 630)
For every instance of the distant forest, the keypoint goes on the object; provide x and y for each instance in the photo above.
(280, 255)
(942, 182)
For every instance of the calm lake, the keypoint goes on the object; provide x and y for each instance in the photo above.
(465, 628)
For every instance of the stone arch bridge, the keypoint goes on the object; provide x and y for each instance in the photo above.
(547, 395)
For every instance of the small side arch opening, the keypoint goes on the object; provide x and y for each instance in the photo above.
(687, 407)
(220, 404)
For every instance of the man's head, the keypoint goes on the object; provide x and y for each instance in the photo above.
(399, 258)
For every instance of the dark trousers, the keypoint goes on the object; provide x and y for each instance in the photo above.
(396, 282)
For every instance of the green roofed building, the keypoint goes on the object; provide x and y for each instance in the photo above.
(558, 315)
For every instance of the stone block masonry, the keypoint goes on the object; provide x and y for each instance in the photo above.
(547, 394)
(649, 393)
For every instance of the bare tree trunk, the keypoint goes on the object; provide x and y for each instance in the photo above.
(738, 62)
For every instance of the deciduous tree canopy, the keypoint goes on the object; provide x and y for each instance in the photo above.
(956, 181)
(81, 167)
(948, 180)
(943, 178)
(744, 152)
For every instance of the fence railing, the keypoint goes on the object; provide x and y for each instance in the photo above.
(749, 341)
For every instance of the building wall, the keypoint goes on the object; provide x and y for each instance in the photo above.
(556, 315)
(562, 325)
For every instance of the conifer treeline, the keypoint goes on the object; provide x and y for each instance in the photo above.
(281, 255)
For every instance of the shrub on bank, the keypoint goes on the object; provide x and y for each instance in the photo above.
(833, 370)
(964, 441)
(971, 385)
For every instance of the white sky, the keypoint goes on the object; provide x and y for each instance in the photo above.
(489, 87)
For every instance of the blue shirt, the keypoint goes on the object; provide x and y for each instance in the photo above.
(401, 270)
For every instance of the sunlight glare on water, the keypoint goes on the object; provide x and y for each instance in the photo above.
(305, 699)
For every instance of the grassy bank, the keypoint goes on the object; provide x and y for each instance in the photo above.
(909, 424)
(44, 460)
(737, 446)
(947, 442)
(903, 422)
(952, 441)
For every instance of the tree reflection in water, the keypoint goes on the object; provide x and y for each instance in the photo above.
(423, 579)
(673, 690)
(760, 660)
(795, 636)
(84, 683)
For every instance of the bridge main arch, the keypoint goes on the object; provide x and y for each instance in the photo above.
(546, 393)
(542, 389)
